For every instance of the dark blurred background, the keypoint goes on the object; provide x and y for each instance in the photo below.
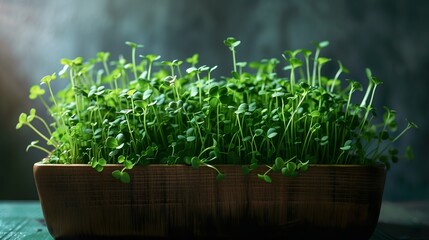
(389, 36)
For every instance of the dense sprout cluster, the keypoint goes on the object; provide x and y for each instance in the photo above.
(147, 111)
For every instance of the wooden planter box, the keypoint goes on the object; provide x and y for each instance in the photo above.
(178, 201)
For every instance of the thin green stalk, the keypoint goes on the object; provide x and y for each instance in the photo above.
(368, 108)
(200, 89)
(234, 61)
(218, 123)
(307, 67)
(41, 148)
(133, 141)
(149, 69)
(241, 133)
(292, 80)
(39, 133)
(292, 115)
(313, 82)
(378, 154)
(45, 124)
(306, 141)
(133, 56)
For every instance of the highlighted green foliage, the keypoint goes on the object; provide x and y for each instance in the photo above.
(285, 115)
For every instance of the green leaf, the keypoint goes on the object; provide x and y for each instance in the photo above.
(46, 79)
(65, 61)
(111, 142)
(120, 146)
(368, 73)
(63, 72)
(76, 61)
(152, 57)
(133, 45)
(128, 164)
(126, 111)
(147, 94)
(265, 177)
(193, 91)
(99, 168)
(231, 42)
(235, 75)
(193, 60)
(342, 68)
(117, 174)
(32, 144)
(120, 137)
(190, 138)
(121, 159)
(323, 60)
(247, 138)
(346, 148)
(412, 125)
(271, 133)
(190, 131)
(258, 132)
(292, 54)
(125, 177)
(241, 109)
(22, 118)
(220, 176)
(224, 99)
(291, 166)
(213, 102)
(101, 57)
(121, 176)
(315, 113)
(324, 138)
(323, 44)
(203, 68)
(140, 103)
(295, 63)
(130, 92)
(214, 91)
(191, 70)
(285, 171)
(306, 52)
(277, 94)
(279, 163)
(376, 81)
(195, 162)
(102, 162)
(113, 153)
(304, 85)
(36, 91)
(303, 166)
(252, 107)
(32, 115)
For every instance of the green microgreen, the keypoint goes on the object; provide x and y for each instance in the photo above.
(144, 112)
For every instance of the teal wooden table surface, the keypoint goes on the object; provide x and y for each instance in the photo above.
(409, 220)
(22, 220)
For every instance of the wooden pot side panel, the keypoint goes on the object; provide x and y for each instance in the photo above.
(182, 201)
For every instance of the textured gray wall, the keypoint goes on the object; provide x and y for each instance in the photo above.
(389, 36)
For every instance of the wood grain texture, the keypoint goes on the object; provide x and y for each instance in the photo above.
(179, 201)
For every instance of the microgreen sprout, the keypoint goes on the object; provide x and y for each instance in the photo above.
(138, 113)
(232, 43)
